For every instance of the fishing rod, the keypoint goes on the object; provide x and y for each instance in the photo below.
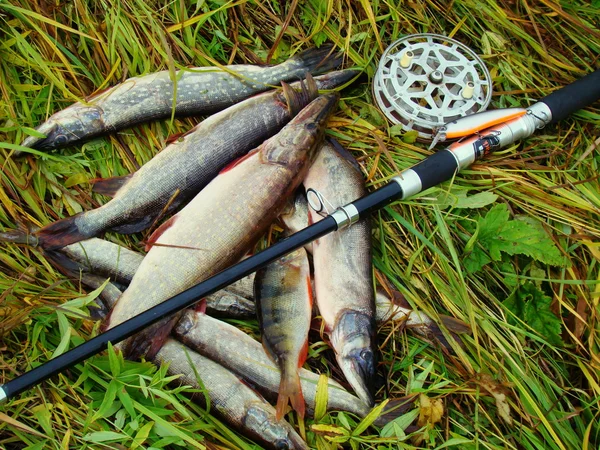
(478, 140)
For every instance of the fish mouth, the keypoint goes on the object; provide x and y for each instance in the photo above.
(359, 368)
(334, 79)
(352, 339)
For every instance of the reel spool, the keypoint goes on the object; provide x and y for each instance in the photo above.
(427, 80)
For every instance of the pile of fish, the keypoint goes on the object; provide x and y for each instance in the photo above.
(233, 175)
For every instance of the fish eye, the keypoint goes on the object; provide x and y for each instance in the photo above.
(311, 126)
(61, 139)
(367, 355)
(282, 444)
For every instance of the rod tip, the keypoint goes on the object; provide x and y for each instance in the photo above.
(3, 396)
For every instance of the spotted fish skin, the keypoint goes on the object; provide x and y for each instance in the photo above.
(283, 294)
(237, 403)
(243, 355)
(344, 287)
(182, 169)
(221, 223)
(200, 91)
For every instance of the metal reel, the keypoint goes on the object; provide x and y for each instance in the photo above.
(426, 80)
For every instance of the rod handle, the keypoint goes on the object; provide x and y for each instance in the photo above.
(574, 96)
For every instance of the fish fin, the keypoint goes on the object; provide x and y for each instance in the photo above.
(295, 100)
(61, 233)
(134, 227)
(19, 237)
(200, 306)
(398, 299)
(339, 148)
(158, 232)
(455, 325)
(148, 342)
(303, 353)
(174, 137)
(238, 161)
(110, 186)
(290, 389)
(319, 60)
(64, 264)
(395, 408)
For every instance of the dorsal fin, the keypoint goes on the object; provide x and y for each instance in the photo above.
(158, 232)
(110, 186)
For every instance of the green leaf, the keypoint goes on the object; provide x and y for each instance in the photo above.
(498, 234)
(369, 419)
(410, 137)
(321, 397)
(396, 427)
(532, 306)
(142, 435)
(319, 38)
(478, 200)
(78, 178)
(107, 402)
(105, 436)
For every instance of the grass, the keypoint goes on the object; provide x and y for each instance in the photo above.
(508, 385)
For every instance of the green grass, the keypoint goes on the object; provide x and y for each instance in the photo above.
(506, 386)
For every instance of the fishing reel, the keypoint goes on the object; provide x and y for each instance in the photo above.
(425, 81)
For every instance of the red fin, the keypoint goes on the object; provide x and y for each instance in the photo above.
(303, 353)
(200, 306)
(175, 137)
(158, 232)
(61, 233)
(310, 292)
(238, 161)
(290, 388)
(110, 186)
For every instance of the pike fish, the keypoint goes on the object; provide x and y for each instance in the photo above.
(283, 294)
(221, 223)
(98, 257)
(343, 272)
(182, 169)
(237, 403)
(200, 91)
(240, 353)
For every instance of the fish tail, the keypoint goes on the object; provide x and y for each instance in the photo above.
(147, 343)
(61, 233)
(290, 389)
(19, 237)
(395, 408)
(319, 60)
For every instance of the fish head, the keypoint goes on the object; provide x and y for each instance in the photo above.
(353, 339)
(296, 143)
(260, 419)
(336, 78)
(67, 127)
